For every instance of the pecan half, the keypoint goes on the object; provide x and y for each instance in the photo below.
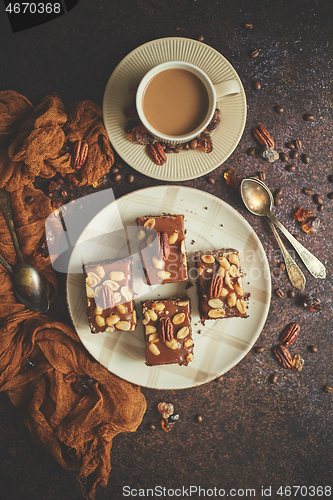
(216, 286)
(156, 153)
(290, 334)
(80, 153)
(263, 137)
(165, 245)
(166, 329)
(283, 356)
(107, 297)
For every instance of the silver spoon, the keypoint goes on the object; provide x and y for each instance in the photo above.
(28, 282)
(259, 201)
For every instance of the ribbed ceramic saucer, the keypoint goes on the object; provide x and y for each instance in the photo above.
(186, 164)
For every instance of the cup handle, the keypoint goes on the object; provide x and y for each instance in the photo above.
(226, 88)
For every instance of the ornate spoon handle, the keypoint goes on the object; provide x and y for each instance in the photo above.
(296, 277)
(5, 264)
(314, 266)
(6, 209)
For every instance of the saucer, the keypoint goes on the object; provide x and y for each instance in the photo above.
(184, 165)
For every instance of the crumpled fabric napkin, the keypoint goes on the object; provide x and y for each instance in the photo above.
(71, 404)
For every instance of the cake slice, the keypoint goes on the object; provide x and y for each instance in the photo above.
(168, 332)
(162, 248)
(219, 285)
(109, 291)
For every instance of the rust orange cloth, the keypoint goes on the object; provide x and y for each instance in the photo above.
(70, 403)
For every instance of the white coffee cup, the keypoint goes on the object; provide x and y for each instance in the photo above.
(214, 91)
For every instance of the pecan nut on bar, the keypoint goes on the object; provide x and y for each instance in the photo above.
(166, 329)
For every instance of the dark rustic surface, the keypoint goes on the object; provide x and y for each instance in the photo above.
(253, 433)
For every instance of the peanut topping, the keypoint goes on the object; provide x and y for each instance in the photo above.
(178, 319)
(150, 223)
(116, 276)
(208, 259)
(173, 238)
(112, 320)
(154, 349)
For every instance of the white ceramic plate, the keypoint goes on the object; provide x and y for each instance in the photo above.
(186, 164)
(211, 224)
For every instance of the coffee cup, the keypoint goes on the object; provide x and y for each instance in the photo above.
(176, 101)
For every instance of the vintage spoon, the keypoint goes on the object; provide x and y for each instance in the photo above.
(28, 282)
(259, 201)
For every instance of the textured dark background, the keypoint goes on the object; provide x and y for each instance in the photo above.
(253, 433)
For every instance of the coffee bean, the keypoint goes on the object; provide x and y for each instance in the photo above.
(219, 380)
(330, 178)
(29, 200)
(256, 85)
(177, 150)
(328, 389)
(282, 266)
(298, 144)
(273, 378)
(306, 159)
(251, 151)
(291, 294)
(318, 199)
(254, 53)
(116, 177)
(278, 109)
(259, 349)
(60, 181)
(130, 178)
(279, 293)
(152, 427)
(168, 150)
(64, 193)
(201, 38)
(277, 272)
(277, 201)
(308, 191)
(284, 157)
(114, 170)
(308, 117)
(293, 154)
(194, 144)
(198, 418)
(248, 26)
(291, 168)
(278, 192)
(290, 145)
(313, 348)
(262, 176)
(211, 180)
(330, 195)
(320, 208)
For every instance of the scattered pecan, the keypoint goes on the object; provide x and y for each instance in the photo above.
(263, 137)
(157, 154)
(290, 334)
(80, 153)
(216, 286)
(166, 329)
(107, 296)
(165, 245)
(283, 356)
